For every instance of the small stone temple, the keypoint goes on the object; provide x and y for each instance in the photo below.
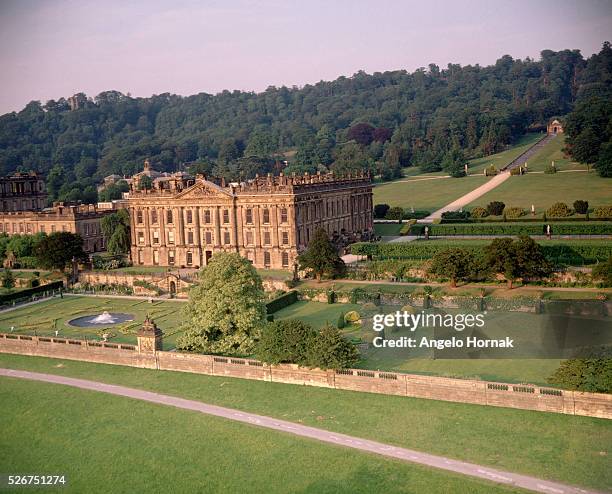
(149, 337)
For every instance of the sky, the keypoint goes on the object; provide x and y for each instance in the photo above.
(55, 48)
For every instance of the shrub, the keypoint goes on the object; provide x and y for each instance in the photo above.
(341, 322)
(603, 272)
(28, 262)
(479, 212)
(593, 374)
(281, 302)
(380, 210)
(603, 212)
(395, 213)
(417, 214)
(495, 208)
(331, 297)
(352, 316)
(550, 169)
(329, 350)
(514, 212)
(490, 171)
(455, 215)
(34, 282)
(558, 210)
(581, 207)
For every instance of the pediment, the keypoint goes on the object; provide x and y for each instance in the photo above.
(203, 189)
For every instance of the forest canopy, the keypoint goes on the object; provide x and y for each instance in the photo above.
(381, 122)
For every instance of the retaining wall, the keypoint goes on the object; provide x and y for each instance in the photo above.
(525, 397)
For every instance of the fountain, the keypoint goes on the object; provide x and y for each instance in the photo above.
(104, 319)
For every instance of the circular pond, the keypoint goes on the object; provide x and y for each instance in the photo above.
(104, 319)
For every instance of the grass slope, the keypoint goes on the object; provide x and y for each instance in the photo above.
(426, 194)
(113, 444)
(499, 160)
(547, 445)
(553, 151)
(543, 190)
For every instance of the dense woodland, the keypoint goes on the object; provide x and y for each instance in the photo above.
(432, 118)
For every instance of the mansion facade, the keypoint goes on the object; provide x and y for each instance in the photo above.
(179, 220)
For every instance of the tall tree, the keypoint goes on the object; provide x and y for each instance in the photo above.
(57, 250)
(321, 256)
(226, 308)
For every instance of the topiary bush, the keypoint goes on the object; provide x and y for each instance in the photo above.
(352, 316)
(495, 208)
(479, 212)
(514, 212)
(380, 210)
(395, 213)
(558, 210)
(581, 207)
(455, 215)
(603, 212)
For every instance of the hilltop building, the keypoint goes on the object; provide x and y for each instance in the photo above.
(554, 127)
(22, 192)
(183, 220)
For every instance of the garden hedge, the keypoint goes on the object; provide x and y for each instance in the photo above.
(28, 292)
(576, 253)
(281, 302)
(446, 229)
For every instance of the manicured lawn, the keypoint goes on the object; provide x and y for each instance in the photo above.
(276, 274)
(426, 194)
(113, 444)
(499, 160)
(543, 190)
(387, 229)
(48, 316)
(315, 313)
(561, 447)
(553, 151)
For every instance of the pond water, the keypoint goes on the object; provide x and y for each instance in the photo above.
(104, 319)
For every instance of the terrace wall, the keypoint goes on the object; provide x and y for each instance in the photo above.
(525, 397)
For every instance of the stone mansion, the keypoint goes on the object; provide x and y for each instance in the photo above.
(180, 220)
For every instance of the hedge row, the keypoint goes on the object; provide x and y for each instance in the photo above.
(525, 219)
(590, 228)
(561, 252)
(28, 292)
(281, 302)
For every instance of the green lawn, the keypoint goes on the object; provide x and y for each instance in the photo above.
(315, 313)
(48, 316)
(554, 446)
(543, 190)
(113, 444)
(426, 194)
(553, 151)
(387, 229)
(499, 160)
(276, 274)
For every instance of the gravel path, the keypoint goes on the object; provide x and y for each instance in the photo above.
(407, 455)
(469, 197)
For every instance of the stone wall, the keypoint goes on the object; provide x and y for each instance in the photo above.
(525, 397)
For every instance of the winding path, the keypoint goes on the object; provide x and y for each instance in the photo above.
(407, 455)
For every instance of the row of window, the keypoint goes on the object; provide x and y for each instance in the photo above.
(28, 228)
(190, 258)
(208, 238)
(207, 216)
(332, 207)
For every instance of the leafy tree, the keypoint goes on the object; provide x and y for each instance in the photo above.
(285, 341)
(226, 309)
(593, 374)
(454, 162)
(603, 272)
(395, 213)
(454, 263)
(330, 350)
(361, 133)
(351, 159)
(8, 280)
(380, 210)
(57, 250)
(522, 258)
(495, 208)
(604, 160)
(581, 207)
(321, 256)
